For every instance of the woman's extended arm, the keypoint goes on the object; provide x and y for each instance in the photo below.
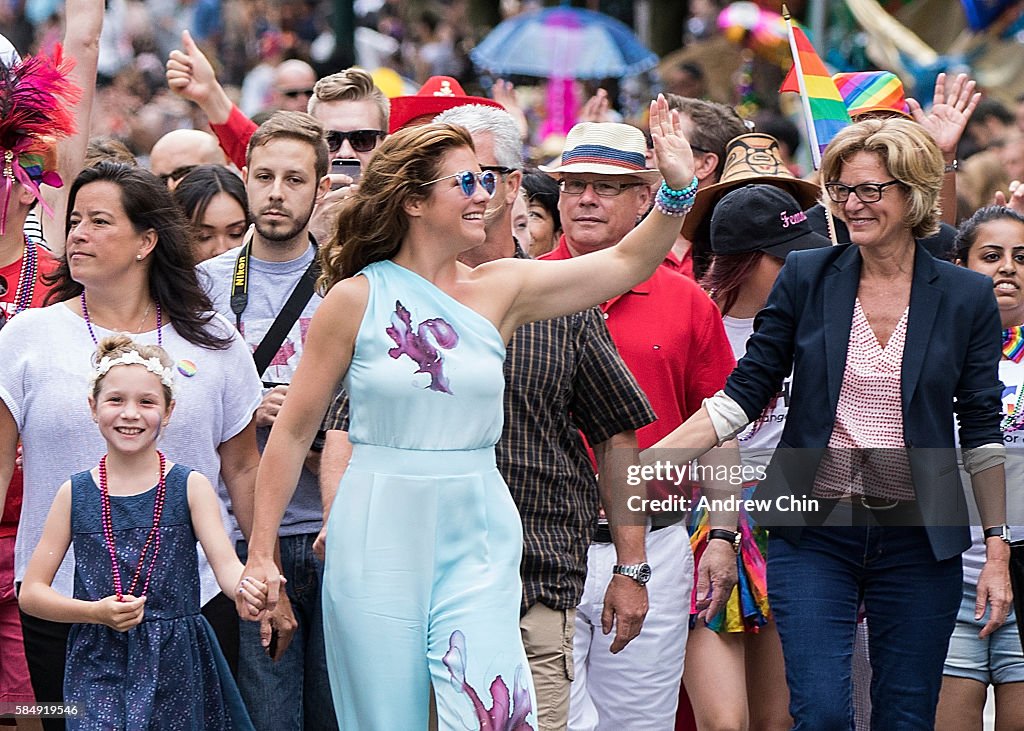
(552, 288)
(325, 359)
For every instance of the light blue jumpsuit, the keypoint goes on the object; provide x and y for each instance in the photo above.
(421, 582)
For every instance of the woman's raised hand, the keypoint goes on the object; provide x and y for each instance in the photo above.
(672, 153)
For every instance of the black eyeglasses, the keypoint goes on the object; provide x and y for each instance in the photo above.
(499, 169)
(293, 93)
(468, 180)
(362, 140)
(604, 188)
(866, 192)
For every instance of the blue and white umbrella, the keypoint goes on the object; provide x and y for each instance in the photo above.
(563, 43)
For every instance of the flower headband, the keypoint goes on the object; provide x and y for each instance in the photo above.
(133, 357)
(37, 102)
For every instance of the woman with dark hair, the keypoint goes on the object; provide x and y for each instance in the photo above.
(545, 221)
(126, 268)
(992, 242)
(215, 204)
(421, 580)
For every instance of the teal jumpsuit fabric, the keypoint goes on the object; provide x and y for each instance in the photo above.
(421, 582)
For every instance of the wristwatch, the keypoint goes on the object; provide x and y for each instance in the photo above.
(731, 536)
(999, 531)
(638, 572)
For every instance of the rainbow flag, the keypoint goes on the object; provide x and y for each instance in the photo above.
(824, 111)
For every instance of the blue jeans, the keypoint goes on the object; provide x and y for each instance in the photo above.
(815, 589)
(294, 692)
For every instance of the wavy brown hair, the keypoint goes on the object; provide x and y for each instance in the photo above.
(373, 223)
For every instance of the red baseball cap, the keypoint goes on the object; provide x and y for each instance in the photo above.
(438, 94)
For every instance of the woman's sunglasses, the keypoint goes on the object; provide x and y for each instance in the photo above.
(468, 180)
(362, 140)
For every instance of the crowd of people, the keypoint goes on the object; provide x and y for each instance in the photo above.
(370, 396)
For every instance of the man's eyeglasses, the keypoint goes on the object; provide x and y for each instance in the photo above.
(362, 140)
(604, 188)
(468, 180)
(866, 192)
(294, 93)
(499, 169)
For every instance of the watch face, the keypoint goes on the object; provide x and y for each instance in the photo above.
(643, 573)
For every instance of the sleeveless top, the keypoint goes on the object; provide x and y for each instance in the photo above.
(426, 372)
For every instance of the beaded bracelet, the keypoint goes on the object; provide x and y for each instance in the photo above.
(688, 192)
(675, 202)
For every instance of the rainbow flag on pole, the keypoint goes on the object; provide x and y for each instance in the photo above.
(824, 111)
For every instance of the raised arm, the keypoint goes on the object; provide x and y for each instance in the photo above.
(553, 288)
(190, 75)
(83, 23)
(945, 122)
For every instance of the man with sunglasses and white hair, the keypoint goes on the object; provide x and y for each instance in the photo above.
(671, 336)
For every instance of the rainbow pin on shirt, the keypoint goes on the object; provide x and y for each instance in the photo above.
(187, 368)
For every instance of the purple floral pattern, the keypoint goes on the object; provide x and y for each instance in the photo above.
(418, 346)
(505, 714)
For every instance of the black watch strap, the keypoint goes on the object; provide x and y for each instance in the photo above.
(998, 531)
(730, 536)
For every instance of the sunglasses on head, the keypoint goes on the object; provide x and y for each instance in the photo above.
(362, 140)
(468, 180)
(293, 93)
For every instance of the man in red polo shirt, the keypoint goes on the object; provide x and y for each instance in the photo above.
(671, 336)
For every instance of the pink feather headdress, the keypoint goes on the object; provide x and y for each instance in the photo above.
(37, 101)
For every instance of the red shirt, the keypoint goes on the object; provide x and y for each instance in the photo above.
(682, 266)
(671, 336)
(234, 135)
(46, 265)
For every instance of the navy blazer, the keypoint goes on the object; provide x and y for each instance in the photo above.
(950, 366)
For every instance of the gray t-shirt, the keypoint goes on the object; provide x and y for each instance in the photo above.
(270, 285)
(44, 381)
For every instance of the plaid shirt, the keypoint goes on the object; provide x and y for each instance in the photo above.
(563, 377)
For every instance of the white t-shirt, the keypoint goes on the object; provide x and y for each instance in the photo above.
(44, 381)
(759, 438)
(1012, 376)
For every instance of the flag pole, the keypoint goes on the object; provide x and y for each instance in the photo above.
(812, 134)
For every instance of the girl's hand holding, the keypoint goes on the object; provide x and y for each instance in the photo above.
(254, 594)
(121, 616)
(672, 153)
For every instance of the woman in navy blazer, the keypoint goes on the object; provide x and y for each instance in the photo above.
(886, 345)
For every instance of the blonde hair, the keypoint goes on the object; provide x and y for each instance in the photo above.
(371, 225)
(115, 346)
(909, 154)
(351, 85)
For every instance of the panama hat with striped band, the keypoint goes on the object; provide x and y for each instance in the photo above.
(604, 148)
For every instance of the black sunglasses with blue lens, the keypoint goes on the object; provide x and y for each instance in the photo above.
(468, 180)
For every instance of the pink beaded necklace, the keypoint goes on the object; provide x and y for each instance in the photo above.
(159, 322)
(26, 279)
(152, 539)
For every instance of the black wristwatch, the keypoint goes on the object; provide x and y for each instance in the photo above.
(999, 531)
(638, 572)
(730, 536)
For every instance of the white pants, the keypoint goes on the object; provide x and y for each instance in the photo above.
(639, 687)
